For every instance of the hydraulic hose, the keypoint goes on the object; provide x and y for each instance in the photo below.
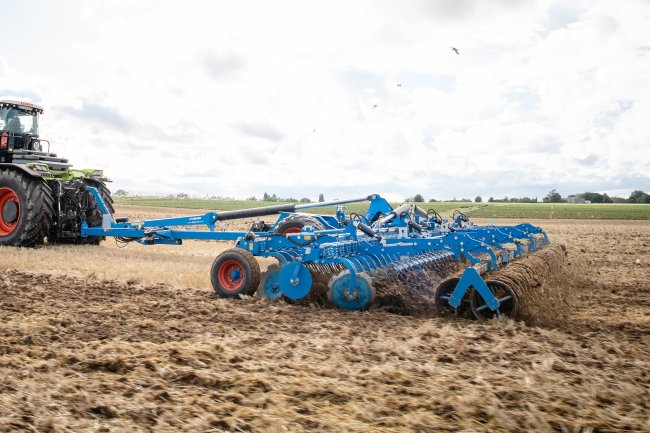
(415, 226)
(365, 229)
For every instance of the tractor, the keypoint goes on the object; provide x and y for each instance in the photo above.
(42, 198)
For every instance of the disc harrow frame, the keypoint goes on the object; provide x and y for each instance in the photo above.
(356, 250)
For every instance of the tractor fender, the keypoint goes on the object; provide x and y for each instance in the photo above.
(31, 172)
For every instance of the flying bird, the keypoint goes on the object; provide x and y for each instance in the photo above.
(375, 106)
(454, 49)
(399, 84)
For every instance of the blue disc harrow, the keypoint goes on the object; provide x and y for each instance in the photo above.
(345, 256)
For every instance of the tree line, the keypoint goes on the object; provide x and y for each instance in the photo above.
(418, 198)
(273, 197)
(637, 196)
(553, 196)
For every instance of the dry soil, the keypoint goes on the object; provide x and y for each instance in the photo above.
(108, 339)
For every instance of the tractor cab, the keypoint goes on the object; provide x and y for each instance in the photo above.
(19, 126)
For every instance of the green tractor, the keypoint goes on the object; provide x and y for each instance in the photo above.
(41, 196)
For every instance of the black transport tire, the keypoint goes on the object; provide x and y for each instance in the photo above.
(26, 209)
(93, 217)
(235, 272)
(294, 224)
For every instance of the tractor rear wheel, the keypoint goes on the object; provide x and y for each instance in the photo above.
(93, 214)
(26, 209)
(103, 191)
(295, 223)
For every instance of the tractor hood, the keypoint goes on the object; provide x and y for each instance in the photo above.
(89, 173)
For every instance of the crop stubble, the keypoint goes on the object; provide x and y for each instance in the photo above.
(79, 352)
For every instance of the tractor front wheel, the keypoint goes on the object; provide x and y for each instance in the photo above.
(235, 272)
(26, 209)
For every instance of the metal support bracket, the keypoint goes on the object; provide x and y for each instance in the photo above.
(471, 278)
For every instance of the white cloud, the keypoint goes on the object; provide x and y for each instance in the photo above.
(240, 98)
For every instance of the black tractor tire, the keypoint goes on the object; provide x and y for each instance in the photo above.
(103, 191)
(93, 217)
(26, 209)
(294, 223)
(235, 272)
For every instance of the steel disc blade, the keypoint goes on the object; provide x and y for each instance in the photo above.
(346, 297)
(270, 284)
(298, 287)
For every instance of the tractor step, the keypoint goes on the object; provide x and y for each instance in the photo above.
(21, 156)
(35, 152)
(32, 154)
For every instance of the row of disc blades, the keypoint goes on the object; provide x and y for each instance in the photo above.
(295, 281)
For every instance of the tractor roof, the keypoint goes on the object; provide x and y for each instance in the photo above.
(20, 104)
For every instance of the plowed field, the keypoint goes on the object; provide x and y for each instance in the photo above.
(108, 339)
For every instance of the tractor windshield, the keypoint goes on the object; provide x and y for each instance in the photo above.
(18, 121)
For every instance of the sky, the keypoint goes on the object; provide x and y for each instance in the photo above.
(344, 98)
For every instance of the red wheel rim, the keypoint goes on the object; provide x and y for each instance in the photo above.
(231, 275)
(7, 196)
(292, 230)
